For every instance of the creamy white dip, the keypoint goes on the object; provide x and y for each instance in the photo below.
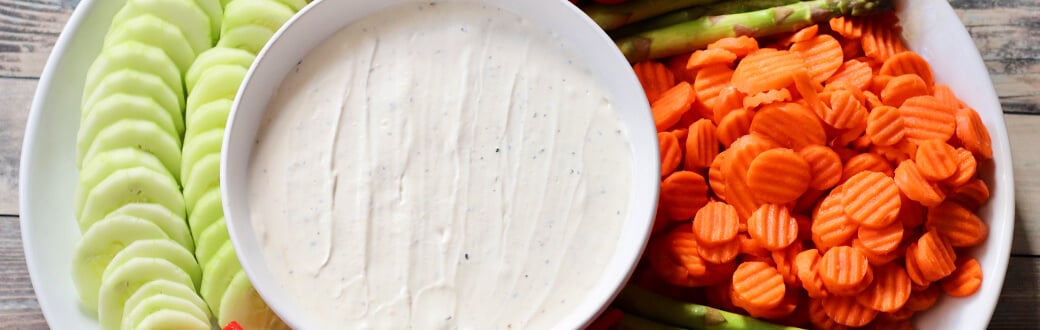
(439, 165)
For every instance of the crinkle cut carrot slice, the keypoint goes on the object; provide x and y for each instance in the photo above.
(778, 176)
(750, 248)
(902, 87)
(971, 195)
(682, 194)
(936, 159)
(671, 105)
(935, 256)
(771, 96)
(782, 310)
(741, 46)
(806, 33)
(881, 240)
(854, 73)
(710, 81)
(973, 134)
(790, 124)
(915, 187)
(958, 225)
(823, 56)
(847, 311)
(913, 268)
(766, 69)
(824, 165)
(885, 126)
(889, 291)
(924, 299)
(847, 27)
(966, 167)
(925, 118)
(908, 62)
(876, 259)
(871, 199)
(880, 41)
(773, 227)
(716, 178)
(684, 248)
(729, 99)
(843, 269)
(819, 318)
(671, 153)
(735, 125)
(846, 111)
(831, 227)
(807, 265)
(785, 263)
(759, 284)
(702, 146)
(964, 281)
(720, 254)
(677, 65)
(865, 162)
(715, 224)
(654, 77)
(946, 96)
(705, 57)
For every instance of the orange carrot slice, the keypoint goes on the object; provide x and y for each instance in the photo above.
(847, 27)
(807, 266)
(881, 240)
(824, 165)
(720, 254)
(758, 284)
(778, 176)
(710, 82)
(844, 269)
(885, 126)
(846, 111)
(766, 69)
(682, 194)
(854, 73)
(677, 65)
(912, 184)
(871, 199)
(965, 280)
(789, 124)
(749, 247)
(736, 124)
(847, 311)
(701, 145)
(822, 54)
(966, 167)
(715, 224)
(773, 227)
(671, 153)
(913, 267)
(665, 264)
(767, 97)
(908, 63)
(729, 99)
(705, 57)
(865, 162)
(671, 105)
(654, 77)
(881, 42)
(972, 133)
(876, 259)
(805, 33)
(923, 299)
(936, 159)
(741, 46)
(903, 87)
(819, 318)
(683, 247)
(971, 195)
(935, 256)
(831, 227)
(715, 176)
(925, 118)
(889, 291)
(946, 96)
(958, 225)
(784, 259)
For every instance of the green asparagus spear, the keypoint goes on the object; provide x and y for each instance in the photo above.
(635, 300)
(610, 17)
(632, 322)
(695, 12)
(692, 35)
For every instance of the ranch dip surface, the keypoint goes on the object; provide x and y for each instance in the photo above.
(439, 165)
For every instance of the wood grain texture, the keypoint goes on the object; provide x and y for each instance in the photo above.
(1024, 131)
(15, 98)
(18, 306)
(28, 30)
(1019, 304)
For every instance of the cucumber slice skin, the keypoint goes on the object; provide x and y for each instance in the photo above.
(217, 274)
(197, 148)
(186, 15)
(215, 11)
(169, 222)
(168, 319)
(208, 117)
(136, 56)
(211, 241)
(163, 248)
(121, 106)
(205, 175)
(250, 37)
(241, 303)
(151, 29)
(140, 134)
(219, 82)
(208, 210)
(266, 13)
(138, 83)
(166, 287)
(97, 248)
(216, 56)
(126, 279)
(132, 185)
(100, 167)
(134, 314)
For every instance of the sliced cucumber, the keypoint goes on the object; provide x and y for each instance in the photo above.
(216, 56)
(135, 56)
(241, 303)
(199, 146)
(207, 210)
(133, 314)
(135, 82)
(140, 134)
(296, 5)
(171, 223)
(205, 175)
(162, 248)
(211, 241)
(132, 185)
(208, 117)
(165, 287)
(250, 37)
(168, 319)
(185, 14)
(217, 274)
(215, 11)
(101, 166)
(99, 245)
(126, 279)
(151, 29)
(267, 13)
(117, 107)
(219, 82)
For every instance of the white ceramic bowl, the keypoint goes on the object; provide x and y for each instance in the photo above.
(323, 18)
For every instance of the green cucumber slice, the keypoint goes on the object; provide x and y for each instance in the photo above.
(151, 29)
(171, 223)
(99, 245)
(133, 82)
(135, 56)
(241, 303)
(119, 285)
(211, 240)
(134, 314)
(185, 14)
(162, 248)
(141, 134)
(296, 5)
(102, 165)
(267, 13)
(219, 82)
(208, 117)
(199, 146)
(217, 274)
(216, 56)
(117, 107)
(205, 175)
(165, 287)
(131, 185)
(168, 319)
(207, 210)
(215, 11)
(250, 37)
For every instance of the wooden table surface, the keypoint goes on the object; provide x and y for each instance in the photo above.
(1007, 33)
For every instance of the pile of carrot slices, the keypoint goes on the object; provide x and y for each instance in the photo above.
(822, 178)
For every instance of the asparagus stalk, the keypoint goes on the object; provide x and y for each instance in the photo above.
(633, 322)
(695, 12)
(635, 300)
(696, 34)
(610, 17)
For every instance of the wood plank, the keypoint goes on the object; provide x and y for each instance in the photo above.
(1023, 132)
(28, 31)
(17, 302)
(1019, 304)
(14, 109)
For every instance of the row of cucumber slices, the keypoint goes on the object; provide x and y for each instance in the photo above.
(155, 101)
